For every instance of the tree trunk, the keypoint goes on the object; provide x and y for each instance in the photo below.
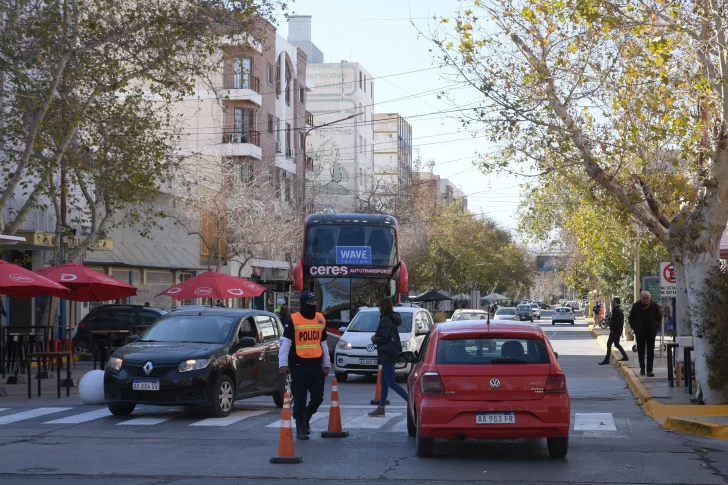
(697, 268)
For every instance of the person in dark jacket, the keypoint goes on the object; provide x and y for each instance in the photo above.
(645, 319)
(389, 346)
(616, 327)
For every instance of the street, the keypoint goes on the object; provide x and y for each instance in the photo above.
(612, 441)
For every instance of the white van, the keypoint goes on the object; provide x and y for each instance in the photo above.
(356, 354)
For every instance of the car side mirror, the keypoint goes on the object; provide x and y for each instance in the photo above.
(557, 355)
(422, 331)
(247, 342)
(408, 357)
(342, 329)
(132, 339)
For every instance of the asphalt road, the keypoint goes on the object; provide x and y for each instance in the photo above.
(612, 441)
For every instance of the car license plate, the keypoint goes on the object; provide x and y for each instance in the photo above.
(368, 362)
(495, 418)
(145, 385)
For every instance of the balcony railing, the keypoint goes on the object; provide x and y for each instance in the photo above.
(309, 118)
(237, 81)
(249, 136)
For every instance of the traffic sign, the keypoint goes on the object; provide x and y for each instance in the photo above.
(668, 283)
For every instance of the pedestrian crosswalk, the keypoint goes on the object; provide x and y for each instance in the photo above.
(265, 418)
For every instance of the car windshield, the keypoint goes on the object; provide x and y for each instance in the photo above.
(534, 305)
(506, 311)
(208, 329)
(524, 307)
(470, 316)
(369, 321)
(500, 350)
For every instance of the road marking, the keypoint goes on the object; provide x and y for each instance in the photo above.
(82, 418)
(148, 420)
(367, 422)
(316, 418)
(233, 418)
(30, 414)
(594, 422)
(370, 406)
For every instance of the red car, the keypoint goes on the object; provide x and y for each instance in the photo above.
(495, 381)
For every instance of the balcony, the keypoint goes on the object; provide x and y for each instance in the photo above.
(242, 144)
(309, 118)
(240, 88)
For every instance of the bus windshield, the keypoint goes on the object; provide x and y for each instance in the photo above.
(322, 242)
(341, 298)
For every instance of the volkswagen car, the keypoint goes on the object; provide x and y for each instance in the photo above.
(475, 381)
(356, 354)
(206, 358)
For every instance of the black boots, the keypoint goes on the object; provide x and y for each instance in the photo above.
(306, 424)
(301, 433)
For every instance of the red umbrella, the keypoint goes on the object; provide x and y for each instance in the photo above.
(17, 282)
(212, 284)
(86, 284)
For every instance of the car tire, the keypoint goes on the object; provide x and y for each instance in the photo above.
(532, 320)
(558, 447)
(411, 426)
(223, 398)
(425, 446)
(342, 376)
(572, 322)
(121, 409)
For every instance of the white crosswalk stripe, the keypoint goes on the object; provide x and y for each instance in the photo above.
(316, 422)
(149, 420)
(367, 422)
(30, 414)
(233, 418)
(594, 422)
(82, 418)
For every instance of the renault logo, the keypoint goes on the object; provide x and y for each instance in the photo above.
(148, 367)
(494, 383)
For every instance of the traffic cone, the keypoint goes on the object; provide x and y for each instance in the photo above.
(286, 454)
(378, 392)
(334, 430)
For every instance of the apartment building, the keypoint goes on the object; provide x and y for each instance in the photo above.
(430, 190)
(393, 160)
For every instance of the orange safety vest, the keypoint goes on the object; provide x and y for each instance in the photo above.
(308, 335)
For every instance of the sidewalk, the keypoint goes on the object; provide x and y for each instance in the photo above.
(18, 393)
(669, 406)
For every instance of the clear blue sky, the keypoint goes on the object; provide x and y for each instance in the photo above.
(379, 34)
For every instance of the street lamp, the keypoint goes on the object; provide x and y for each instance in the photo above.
(302, 192)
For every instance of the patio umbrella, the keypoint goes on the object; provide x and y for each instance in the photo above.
(87, 284)
(18, 282)
(495, 297)
(431, 295)
(214, 285)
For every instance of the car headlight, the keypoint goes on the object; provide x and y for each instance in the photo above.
(193, 364)
(343, 345)
(405, 346)
(114, 363)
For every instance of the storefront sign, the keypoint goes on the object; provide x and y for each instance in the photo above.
(49, 240)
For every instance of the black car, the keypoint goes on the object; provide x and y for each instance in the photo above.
(111, 317)
(206, 358)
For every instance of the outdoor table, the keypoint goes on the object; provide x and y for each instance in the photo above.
(39, 357)
(688, 364)
(16, 343)
(101, 355)
(671, 348)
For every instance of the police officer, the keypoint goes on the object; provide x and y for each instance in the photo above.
(305, 355)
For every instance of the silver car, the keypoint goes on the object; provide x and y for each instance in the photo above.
(506, 314)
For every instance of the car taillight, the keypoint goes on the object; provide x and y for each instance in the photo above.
(555, 382)
(82, 324)
(431, 383)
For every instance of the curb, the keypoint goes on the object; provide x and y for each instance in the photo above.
(671, 415)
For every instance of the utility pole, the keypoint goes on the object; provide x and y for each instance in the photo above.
(302, 181)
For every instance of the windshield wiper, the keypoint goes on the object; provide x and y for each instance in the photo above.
(508, 361)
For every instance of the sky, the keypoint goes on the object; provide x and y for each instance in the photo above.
(379, 35)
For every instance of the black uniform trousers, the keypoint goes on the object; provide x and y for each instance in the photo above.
(304, 381)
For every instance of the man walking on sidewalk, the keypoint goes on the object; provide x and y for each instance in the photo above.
(304, 354)
(645, 318)
(616, 327)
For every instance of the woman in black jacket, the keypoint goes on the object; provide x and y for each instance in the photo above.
(389, 346)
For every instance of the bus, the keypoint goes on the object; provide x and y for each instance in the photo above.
(350, 261)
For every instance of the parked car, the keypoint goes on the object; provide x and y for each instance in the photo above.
(536, 310)
(474, 381)
(469, 315)
(356, 354)
(525, 312)
(562, 314)
(111, 317)
(207, 358)
(507, 313)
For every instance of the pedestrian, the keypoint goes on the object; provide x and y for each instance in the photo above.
(220, 303)
(283, 313)
(644, 319)
(304, 354)
(146, 304)
(386, 338)
(616, 327)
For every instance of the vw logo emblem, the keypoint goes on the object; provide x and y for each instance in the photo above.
(494, 383)
(370, 348)
(148, 367)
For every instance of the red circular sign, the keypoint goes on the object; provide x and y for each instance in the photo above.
(669, 273)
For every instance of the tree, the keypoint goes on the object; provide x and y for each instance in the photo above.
(612, 89)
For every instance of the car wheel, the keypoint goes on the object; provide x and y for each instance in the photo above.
(342, 376)
(223, 398)
(411, 426)
(425, 446)
(532, 320)
(558, 447)
(572, 322)
(121, 409)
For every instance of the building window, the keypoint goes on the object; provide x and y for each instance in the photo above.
(287, 182)
(289, 86)
(289, 148)
(361, 144)
(302, 95)
(242, 69)
(278, 79)
(278, 135)
(360, 80)
(301, 140)
(271, 123)
(277, 180)
(270, 74)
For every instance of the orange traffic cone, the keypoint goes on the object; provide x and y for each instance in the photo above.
(378, 393)
(334, 430)
(286, 454)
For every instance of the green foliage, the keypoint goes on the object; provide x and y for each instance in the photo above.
(710, 308)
